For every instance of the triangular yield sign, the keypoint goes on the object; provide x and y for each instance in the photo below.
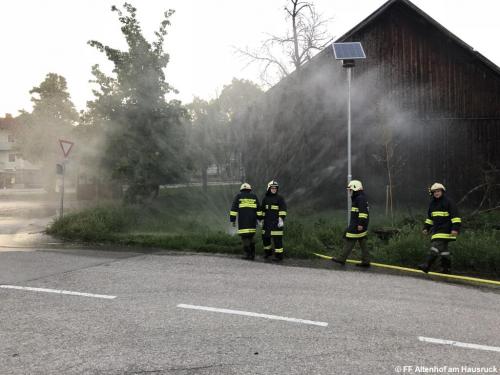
(66, 147)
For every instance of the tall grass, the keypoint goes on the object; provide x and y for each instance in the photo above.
(188, 219)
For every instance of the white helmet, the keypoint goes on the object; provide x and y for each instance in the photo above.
(355, 185)
(437, 186)
(272, 183)
(245, 186)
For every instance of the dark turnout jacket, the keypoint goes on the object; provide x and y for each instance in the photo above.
(442, 218)
(273, 207)
(359, 216)
(245, 207)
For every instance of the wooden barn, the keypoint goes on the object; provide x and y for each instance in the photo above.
(425, 108)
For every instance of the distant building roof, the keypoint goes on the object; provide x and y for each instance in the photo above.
(8, 122)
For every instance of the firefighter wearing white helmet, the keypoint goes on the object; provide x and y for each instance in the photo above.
(358, 225)
(245, 186)
(443, 224)
(355, 185)
(274, 212)
(437, 186)
(245, 207)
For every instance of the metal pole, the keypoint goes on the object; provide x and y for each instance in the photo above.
(61, 211)
(349, 171)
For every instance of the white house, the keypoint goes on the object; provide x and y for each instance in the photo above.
(14, 170)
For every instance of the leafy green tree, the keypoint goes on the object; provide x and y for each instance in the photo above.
(236, 97)
(234, 101)
(53, 117)
(204, 119)
(144, 135)
(215, 134)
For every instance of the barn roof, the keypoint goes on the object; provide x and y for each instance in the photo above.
(380, 11)
(372, 17)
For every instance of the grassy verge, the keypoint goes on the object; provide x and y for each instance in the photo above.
(187, 219)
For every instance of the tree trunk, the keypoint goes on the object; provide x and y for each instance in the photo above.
(389, 177)
(204, 179)
(296, 59)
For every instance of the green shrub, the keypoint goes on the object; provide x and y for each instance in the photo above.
(407, 248)
(95, 224)
(188, 219)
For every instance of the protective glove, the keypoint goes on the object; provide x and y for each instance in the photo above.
(281, 223)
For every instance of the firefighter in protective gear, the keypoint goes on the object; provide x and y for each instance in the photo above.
(357, 230)
(245, 207)
(443, 224)
(273, 211)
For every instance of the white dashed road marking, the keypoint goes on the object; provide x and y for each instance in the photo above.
(459, 344)
(256, 315)
(57, 291)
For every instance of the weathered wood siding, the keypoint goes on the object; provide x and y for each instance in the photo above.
(449, 96)
(454, 96)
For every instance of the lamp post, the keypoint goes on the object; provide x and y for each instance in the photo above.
(349, 159)
(348, 53)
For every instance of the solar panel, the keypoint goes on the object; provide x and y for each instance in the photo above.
(348, 51)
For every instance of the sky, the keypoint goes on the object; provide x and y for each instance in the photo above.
(42, 36)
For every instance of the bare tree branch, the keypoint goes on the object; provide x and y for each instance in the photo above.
(268, 59)
(476, 212)
(470, 192)
(307, 34)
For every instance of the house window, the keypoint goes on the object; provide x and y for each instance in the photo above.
(11, 138)
(12, 157)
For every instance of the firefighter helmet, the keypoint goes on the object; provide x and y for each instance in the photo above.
(272, 183)
(245, 186)
(437, 186)
(355, 185)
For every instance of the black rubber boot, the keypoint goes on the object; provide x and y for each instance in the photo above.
(430, 261)
(363, 265)
(445, 264)
(278, 257)
(342, 263)
(268, 253)
(252, 252)
(246, 249)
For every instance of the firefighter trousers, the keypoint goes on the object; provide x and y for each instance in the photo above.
(440, 248)
(349, 246)
(267, 240)
(248, 245)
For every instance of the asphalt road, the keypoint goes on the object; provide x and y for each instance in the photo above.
(374, 320)
(24, 216)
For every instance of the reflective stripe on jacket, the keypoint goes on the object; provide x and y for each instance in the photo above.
(359, 216)
(245, 207)
(442, 218)
(273, 207)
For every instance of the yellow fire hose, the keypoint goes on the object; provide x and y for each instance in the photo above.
(456, 277)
